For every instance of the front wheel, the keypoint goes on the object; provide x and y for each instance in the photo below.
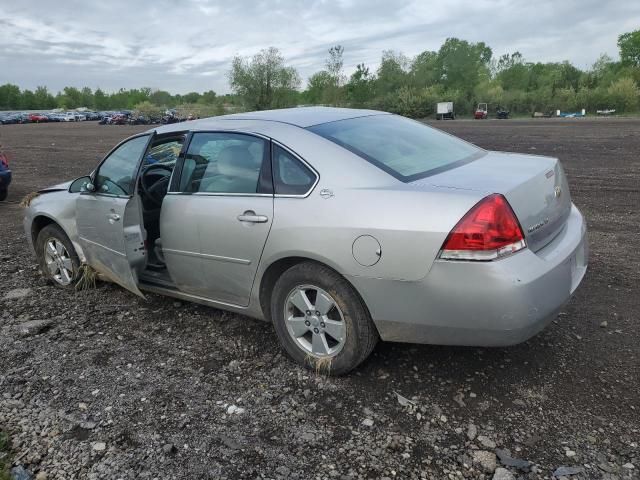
(3, 195)
(320, 319)
(58, 259)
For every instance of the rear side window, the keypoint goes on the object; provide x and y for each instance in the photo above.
(404, 148)
(290, 175)
(223, 163)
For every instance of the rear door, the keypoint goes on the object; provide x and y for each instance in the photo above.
(109, 218)
(216, 218)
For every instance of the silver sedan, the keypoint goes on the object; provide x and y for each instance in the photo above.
(340, 226)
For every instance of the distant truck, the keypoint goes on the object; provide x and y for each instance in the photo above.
(444, 111)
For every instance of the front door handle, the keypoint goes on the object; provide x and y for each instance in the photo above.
(251, 217)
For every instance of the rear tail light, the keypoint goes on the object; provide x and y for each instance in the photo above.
(4, 160)
(488, 231)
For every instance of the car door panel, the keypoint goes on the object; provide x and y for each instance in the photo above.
(215, 227)
(109, 220)
(111, 237)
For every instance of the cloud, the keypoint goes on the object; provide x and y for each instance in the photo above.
(153, 43)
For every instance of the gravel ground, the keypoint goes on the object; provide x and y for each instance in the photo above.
(100, 384)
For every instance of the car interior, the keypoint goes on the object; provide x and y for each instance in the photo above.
(155, 174)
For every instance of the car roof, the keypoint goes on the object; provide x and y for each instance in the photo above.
(300, 117)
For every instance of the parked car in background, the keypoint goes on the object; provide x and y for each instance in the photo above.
(5, 175)
(38, 118)
(340, 226)
(68, 117)
(502, 113)
(23, 117)
(8, 118)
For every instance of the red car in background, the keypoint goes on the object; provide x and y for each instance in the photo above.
(38, 118)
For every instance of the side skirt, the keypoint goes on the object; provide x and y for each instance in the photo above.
(175, 293)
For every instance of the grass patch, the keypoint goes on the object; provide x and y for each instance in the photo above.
(86, 278)
(26, 201)
(5, 462)
(321, 366)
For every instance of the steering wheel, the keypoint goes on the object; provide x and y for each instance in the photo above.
(155, 182)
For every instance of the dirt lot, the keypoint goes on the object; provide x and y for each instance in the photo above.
(118, 387)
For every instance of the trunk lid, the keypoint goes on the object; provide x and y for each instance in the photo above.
(535, 186)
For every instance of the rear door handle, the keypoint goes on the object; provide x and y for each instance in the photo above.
(113, 217)
(251, 217)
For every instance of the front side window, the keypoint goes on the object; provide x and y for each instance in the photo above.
(223, 163)
(404, 148)
(290, 176)
(165, 153)
(116, 175)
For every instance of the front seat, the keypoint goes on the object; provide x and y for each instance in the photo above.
(237, 171)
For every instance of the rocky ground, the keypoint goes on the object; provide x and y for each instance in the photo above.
(100, 384)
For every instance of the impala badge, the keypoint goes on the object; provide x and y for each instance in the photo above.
(538, 225)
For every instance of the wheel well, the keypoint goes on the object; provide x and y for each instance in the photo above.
(38, 224)
(273, 272)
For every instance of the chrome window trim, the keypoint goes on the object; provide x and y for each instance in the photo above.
(221, 194)
(305, 163)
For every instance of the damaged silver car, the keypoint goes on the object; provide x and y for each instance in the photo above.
(339, 226)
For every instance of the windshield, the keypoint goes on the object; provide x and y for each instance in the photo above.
(404, 148)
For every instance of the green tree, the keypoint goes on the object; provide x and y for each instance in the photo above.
(334, 64)
(424, 69)
(148, 110)
(43, 99)
(317, 86)
(624, 94)
(71, 98)
(360, 86)
(161, 98)
(462, 64)
(100, 100)
(629, 45)
(208, 98)
(392, 73)
(86, 97)
(10, 96)
(264, 81)
(191, 97)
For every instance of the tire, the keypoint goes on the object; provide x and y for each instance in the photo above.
(3, 195)
(53, 233)
(360, 335)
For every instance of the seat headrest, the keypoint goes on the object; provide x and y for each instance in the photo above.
(236, 160)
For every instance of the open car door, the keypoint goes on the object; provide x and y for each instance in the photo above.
(108, 215)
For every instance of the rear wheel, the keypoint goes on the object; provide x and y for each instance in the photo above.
(321, 320)
(58, 259)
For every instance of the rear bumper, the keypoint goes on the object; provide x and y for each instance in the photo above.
(5, 179)
(497, 303)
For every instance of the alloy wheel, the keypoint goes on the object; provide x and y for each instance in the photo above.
(58, 261)
(314, 321)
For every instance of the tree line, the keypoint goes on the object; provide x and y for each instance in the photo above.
(459, 71)
(13, 98)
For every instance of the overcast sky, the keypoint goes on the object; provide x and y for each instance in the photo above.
(184, 46)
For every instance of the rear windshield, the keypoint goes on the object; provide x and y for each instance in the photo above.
(404, 148)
